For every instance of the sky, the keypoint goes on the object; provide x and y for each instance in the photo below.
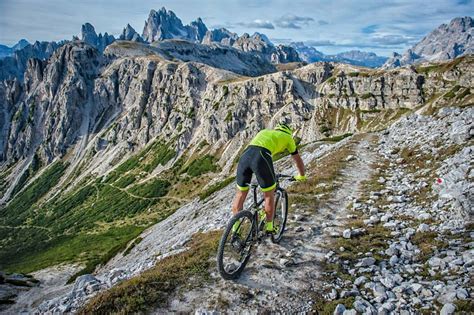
(331, 26)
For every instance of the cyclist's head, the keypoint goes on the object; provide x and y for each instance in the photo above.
(285, 128)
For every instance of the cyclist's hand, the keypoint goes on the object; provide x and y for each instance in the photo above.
(300, 178)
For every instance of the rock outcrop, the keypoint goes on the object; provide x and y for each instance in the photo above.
(164, 24)
(130, 34)
(89, 36)
(15, 66)
(6, 51)
(446, 42)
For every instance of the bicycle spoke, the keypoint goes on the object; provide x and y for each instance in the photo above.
(237, 246)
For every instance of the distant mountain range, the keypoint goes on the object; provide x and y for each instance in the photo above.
(448, 41)
(445, 42)
(353, 57)
(6, 51)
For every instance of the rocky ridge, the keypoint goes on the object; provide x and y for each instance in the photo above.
(210, 94)
(89, 36)
(6, 51)
(446, 42)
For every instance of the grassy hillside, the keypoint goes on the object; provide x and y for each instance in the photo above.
(100, 216)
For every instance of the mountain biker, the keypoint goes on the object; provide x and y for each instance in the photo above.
(257, 159)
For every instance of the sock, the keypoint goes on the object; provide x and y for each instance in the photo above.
(269, 226)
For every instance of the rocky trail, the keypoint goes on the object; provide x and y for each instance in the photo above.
(285, 276)
(370, 232)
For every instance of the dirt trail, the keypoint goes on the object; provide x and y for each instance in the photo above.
(283, 276)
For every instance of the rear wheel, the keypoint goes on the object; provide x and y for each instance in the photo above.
(280, 215)
(234, 248)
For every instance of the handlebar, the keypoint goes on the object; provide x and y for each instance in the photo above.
(283, 176)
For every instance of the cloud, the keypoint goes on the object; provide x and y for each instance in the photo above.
(369, 29)
(323, 42)
(322, 22)
(392, 40)
(353, 44)
(258, 24)
(293, 21)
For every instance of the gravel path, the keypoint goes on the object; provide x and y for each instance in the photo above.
(283, 277)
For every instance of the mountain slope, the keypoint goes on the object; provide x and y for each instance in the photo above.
(446, 42)
(107, 145)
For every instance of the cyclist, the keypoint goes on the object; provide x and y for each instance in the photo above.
(257, 159)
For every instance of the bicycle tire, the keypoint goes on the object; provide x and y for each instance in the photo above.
(222, 244)
(276, 238)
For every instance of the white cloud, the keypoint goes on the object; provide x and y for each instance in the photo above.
(257, 23)
(293, 21)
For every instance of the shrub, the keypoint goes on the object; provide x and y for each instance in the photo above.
(153, 189)
(201, 166)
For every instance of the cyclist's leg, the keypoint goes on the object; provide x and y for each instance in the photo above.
(243, 178)
(239, 200)
(263, 168)
(269, 204)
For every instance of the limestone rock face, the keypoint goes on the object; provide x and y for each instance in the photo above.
(130, 34)
(117, 103)
(14, 66)
(446, 42)
(221, 36)
(54, 103)
(89, 36)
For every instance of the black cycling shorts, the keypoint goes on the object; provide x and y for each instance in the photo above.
(256, 160)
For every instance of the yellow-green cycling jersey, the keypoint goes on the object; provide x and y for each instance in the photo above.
(275, 141)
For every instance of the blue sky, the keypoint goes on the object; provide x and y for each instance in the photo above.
(333, 26)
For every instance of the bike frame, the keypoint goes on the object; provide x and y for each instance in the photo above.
(257, 203)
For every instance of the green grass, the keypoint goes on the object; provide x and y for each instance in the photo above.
(366, 96)
(337, 138)
(374, 240)
(225, 90)
(201, 166)
(466, 92)
(152, 189)
(452, 92)
(228, 117)
(216, 187)
(35, 165)
(324, 307)
(92, 249)
(427, 242)
(132, 245)
(152, 288)
(16, 212)
(35, 231)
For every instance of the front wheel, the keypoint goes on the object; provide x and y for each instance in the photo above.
(235, 246)
(280, 215)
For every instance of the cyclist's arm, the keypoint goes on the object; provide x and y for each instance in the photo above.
(299, 163)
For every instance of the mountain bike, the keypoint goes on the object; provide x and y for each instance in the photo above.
(235, 247)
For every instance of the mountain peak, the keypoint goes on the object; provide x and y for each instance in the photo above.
(447, 41)
(129, 33)
(22, 43)
(99, 41)
(164, 24)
